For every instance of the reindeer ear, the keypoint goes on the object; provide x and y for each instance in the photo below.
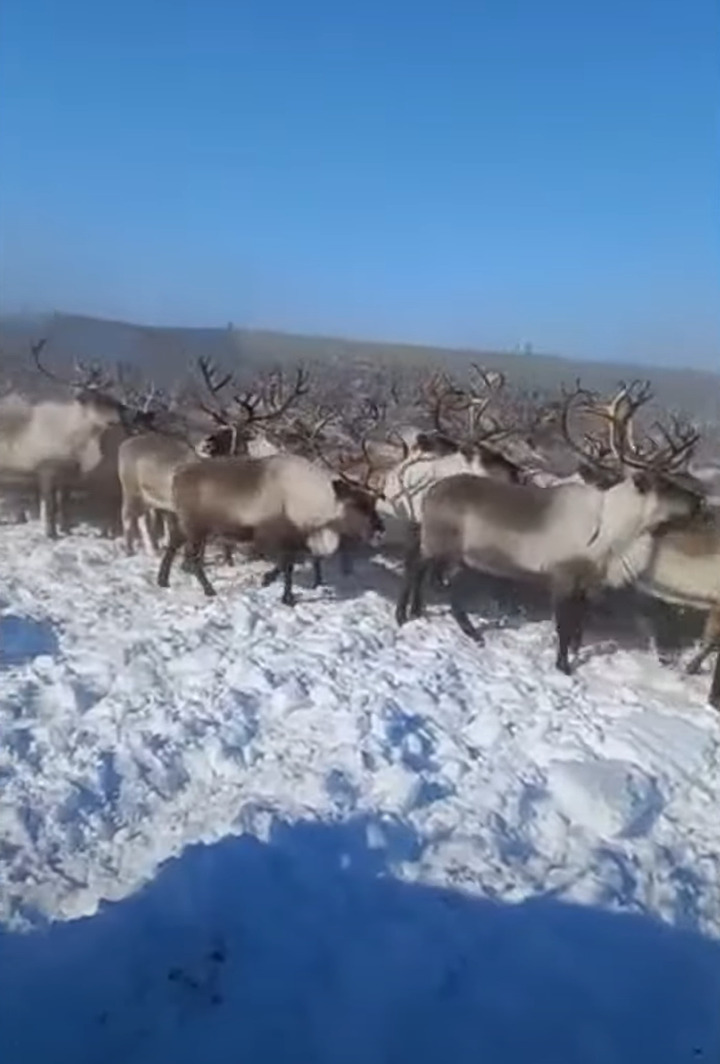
(643, 481)
(341, 489)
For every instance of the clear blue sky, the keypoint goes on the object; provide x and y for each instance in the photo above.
(485, 172)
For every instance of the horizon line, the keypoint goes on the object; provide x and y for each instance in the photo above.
(425, 346)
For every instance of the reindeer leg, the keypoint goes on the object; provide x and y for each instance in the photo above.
(439, 577)
(271, 576)
(197, 567)
(176, 542)
(130, 525)
(347, 564)
(459, 612)
(288, 564)
(413, 565)
(147, 533)
(714, 698)
(698, 660)
(62, 508)
(317, 572)
(710, 642)
(570, 612)
(417, 603)
(228, 554)
(406, 590)
(48, 502)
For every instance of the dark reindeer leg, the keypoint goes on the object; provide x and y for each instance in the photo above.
(407, 589)
(271, 576)
(710, 642)
(413, 563)
(416, 599)
(197, 567)
(176, 542)
(346, 561)
(439, 578)
(698, 660)
(228, 554)
(62, 508)
(187, 562)
(714, 697)
(317, 572)
(48, 501)
(287, 566)
(570, 613)
(458, 611)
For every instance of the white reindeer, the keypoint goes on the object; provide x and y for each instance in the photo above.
(576, 536)
(284, 506)
(53, 443)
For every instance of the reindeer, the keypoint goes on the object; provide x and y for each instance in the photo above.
(683, 569)
(241, 426)
(146, 466)
(52, 444)
(267, 404)
(679, 566)
(284, 506)
(439, 453)
(577, 537)
(99, 494)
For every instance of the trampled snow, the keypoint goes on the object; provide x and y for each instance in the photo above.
(382, 795)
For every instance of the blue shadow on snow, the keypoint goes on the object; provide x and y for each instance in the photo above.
(298, 951)
(23, 638)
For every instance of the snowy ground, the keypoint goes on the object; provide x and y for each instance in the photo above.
(363, 767)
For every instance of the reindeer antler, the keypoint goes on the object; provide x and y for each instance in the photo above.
(480, 395)
(214, 385)
(438, 395)
(619, 413)
(273, 396)
(591, 449)
(36, 350)
(86, 376)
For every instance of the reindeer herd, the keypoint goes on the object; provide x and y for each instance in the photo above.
(275, 472)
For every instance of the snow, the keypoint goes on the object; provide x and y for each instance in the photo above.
(314, 836)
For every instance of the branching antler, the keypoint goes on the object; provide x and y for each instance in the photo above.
(440, 396)
(274, 397)
(92, 376)
(619, 415)
(485, 387)
(590, 449)
(214, 384)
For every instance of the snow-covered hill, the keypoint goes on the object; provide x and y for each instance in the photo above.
(134, 722)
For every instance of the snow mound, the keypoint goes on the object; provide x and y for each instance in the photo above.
(611, 799)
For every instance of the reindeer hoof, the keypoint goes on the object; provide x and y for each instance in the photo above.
(564, 666)
(289, 600)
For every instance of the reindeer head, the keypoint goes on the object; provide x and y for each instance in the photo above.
(256, 409)
(92, 389)
(656, 469)
(361, 522)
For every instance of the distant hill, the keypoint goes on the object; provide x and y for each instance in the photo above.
(165, 354)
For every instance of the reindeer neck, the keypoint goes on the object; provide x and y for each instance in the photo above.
(621, 520)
